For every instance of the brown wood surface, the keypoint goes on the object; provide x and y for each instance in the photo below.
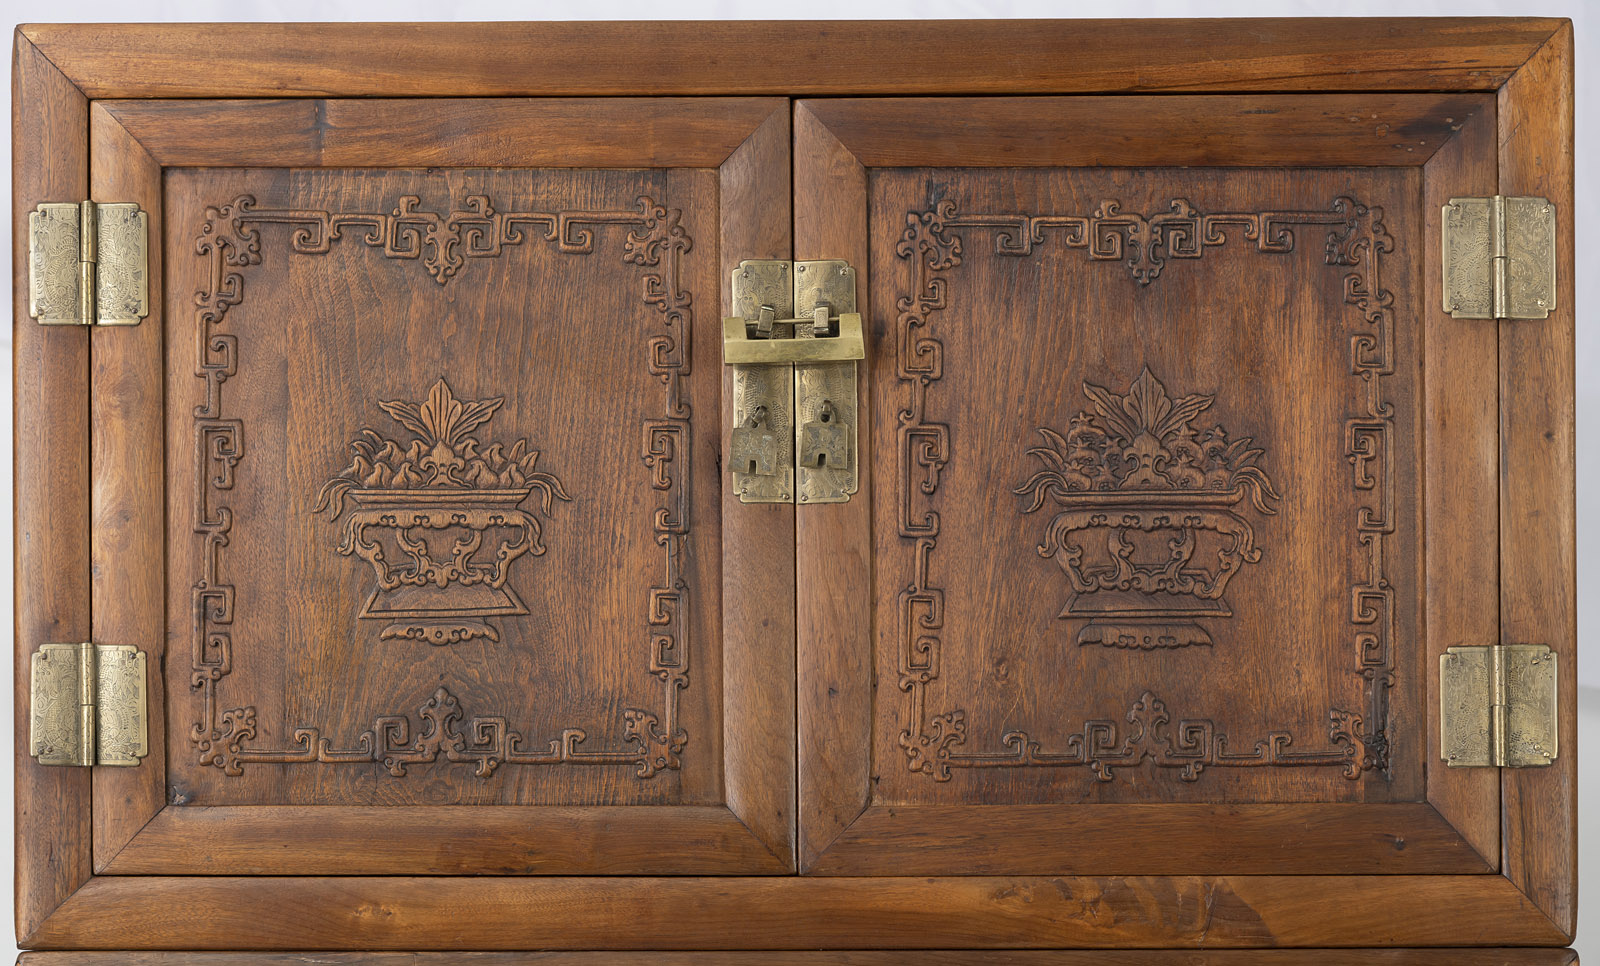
(50, 158)
(864, 58)
(1150, 840)
(1525, 63)
(1538, 569)
(1001, 585)
(129, 490)
(758, 720)
(322, 339)
(1461, 484)
(449, 840)
(758, 589)
(833, 641)
(1260, 131)
(655, 132)
(486, 913)
(920, 957)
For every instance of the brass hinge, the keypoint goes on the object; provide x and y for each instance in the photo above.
(88, 264)
(793, 342)
(89, 705)
(1499, 258)
(1497, 706)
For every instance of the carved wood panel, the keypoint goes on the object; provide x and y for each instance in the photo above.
(436, 538)
(1150, 525)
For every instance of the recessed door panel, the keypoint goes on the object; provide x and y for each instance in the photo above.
(1151, 533)
(437, 543)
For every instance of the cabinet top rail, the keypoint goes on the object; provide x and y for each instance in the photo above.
(862, 57)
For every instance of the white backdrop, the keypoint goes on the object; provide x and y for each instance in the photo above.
(1585, 16)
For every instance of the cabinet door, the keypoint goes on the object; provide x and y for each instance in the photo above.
(439, 389)
(1181, 481)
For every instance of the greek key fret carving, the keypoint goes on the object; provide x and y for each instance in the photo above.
(1190, 745)
(230, 240)
(933, 741)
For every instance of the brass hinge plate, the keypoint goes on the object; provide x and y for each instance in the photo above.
(1499, 258)
(1498, 706)
(88, 264)
(792, 342)
(89, 705)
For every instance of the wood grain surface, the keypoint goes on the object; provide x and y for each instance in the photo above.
(1267, 130)
(758, 588)
(657, 132)
(1538, 567)
(50, 158)
(920, 957)
(874, 690)
(487, 913)
(129, 489)
(1461, 484)
(735, 813)
(833, 641)
(449, 840)
(863, 57)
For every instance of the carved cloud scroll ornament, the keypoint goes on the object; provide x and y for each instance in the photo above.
(1142, 491)
(230, 239)
(936, 742)
(441, 487)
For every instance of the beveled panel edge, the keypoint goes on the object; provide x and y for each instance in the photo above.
(833, 545)
(887, 57)
(449, 840)
(1409, 838)
(128, 489)
(1376, 129)
(1460, 476)
(650, 132)
(757, 590)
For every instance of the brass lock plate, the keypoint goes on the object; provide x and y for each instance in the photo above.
(793, 343)
(763, 392)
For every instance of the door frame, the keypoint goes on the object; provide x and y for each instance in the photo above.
(61, 71)
(1448, 140)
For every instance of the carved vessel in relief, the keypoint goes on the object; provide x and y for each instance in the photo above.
(443, 489)
(1148, 529)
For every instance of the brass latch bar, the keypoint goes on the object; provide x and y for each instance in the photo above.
(89, 705)
(1498, 706)
(88, 263)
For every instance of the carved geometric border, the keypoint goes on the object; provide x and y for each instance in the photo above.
(1357, 239)
(231, 240)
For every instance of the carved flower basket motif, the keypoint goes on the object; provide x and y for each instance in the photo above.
(440, 519)
(1149, 529)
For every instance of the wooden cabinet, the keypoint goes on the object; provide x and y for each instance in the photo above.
(1176, 478)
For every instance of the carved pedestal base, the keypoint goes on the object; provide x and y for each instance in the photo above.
(1143, 637)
